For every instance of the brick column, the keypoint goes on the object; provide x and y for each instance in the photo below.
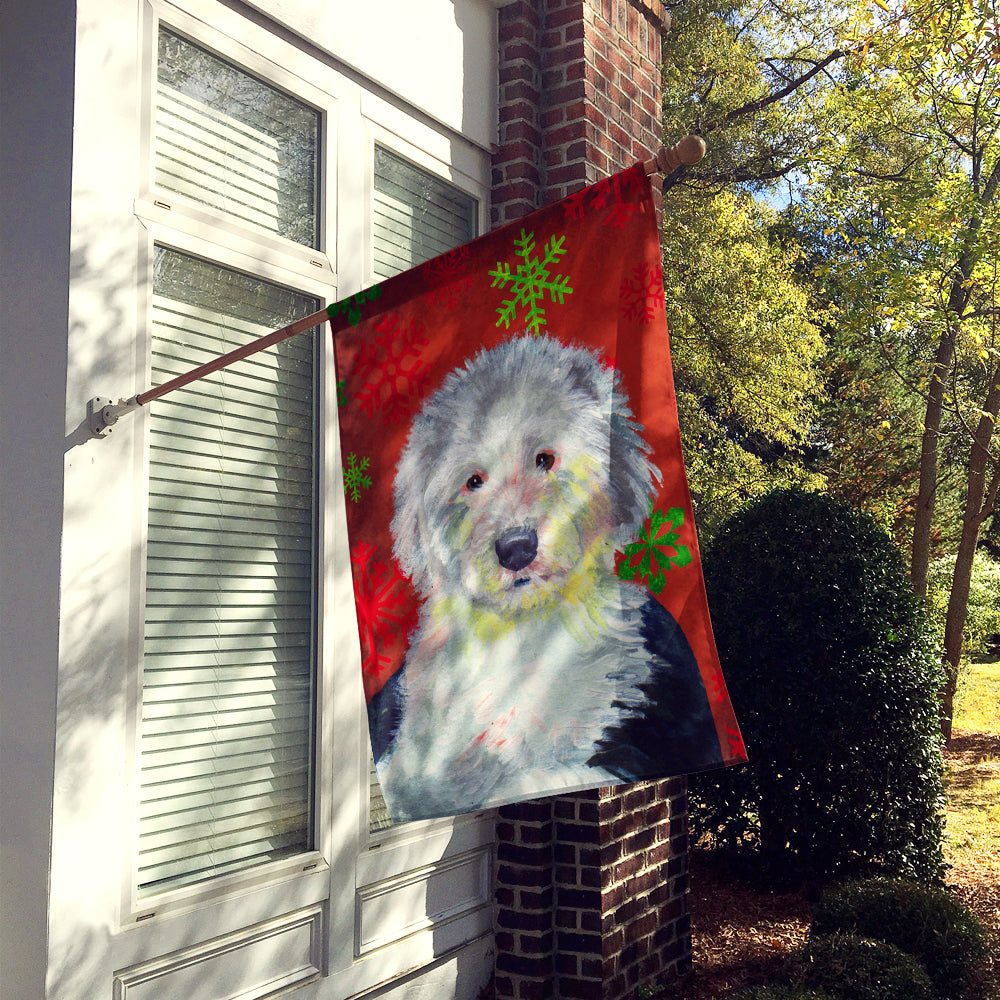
(579, 96)
(591, 889)
(591, 893)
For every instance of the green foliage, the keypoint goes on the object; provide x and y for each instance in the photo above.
(983, 617)
(745, 342)
(857, 968)
(866, 436)
(878, 125)
(780, 992)
(926, 922)
(727, 71)
(747, 355)
(833, 673)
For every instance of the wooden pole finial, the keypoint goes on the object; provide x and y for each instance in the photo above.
(668, 158)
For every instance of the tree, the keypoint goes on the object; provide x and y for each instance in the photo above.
(746, 76)
(747, 357)
(913, 182)
(747, 353)
(866, 438)
(881, 119)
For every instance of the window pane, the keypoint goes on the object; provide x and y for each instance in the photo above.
(228, 654)
(416, 217)
(228, 140)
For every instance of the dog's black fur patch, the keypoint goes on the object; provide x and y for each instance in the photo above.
(673, 731)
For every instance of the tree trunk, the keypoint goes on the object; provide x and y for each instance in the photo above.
(979, 503)
(920, 553)
(958, 299)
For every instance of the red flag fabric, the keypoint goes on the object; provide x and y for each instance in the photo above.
(530, 601)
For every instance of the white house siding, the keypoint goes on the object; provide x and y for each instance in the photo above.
(407, 915)
(36, 116)
(395, 42)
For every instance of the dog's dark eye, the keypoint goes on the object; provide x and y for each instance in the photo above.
(474, 482)
(544, 460)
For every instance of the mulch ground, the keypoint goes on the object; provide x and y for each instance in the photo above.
(742, 935)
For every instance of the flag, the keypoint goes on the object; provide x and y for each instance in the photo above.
(530, 602)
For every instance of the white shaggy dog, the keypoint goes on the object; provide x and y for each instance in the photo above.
(521, 477)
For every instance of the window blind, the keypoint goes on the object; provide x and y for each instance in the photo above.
(228, 654)
(416, 216)
(228, 140)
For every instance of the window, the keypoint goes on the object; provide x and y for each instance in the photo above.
(225, 139)
(229, 646)
(416, 216)
(228, 679)
(210, 824)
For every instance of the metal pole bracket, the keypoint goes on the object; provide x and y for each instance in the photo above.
(103, 413)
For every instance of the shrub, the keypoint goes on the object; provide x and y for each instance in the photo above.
(926, 922)
(856, 968)
(782, 993)
(833, 674)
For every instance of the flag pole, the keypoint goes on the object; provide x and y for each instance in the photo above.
(103, 413)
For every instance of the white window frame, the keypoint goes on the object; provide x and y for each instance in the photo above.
(181, 239)
(350, 871)
(180, 224)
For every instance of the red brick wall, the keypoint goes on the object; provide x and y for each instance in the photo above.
(579, 96)
(591, 893)
(591, 889)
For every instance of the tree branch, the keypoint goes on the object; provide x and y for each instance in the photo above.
(753, 107)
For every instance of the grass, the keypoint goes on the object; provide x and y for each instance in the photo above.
(978, 700)
(973, 782)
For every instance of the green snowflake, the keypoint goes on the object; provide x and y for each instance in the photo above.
(353, 305)
(342, 392)
(354, 478)
(530, 282)
(660, 535)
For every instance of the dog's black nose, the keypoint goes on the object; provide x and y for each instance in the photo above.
(516, 547)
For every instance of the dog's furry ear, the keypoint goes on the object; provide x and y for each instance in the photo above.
(633, 477)
(410, 524)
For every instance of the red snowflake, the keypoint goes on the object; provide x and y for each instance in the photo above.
(602, 193)
(717, 687)
(642, 294)
(609, 193)
(449, 265)
(450, 295)
(385, 612)
(447, 278)
(574, 206)
(394, 371)
(619, 215)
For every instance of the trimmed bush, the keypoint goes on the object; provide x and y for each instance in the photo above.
(834, 674)
(856, 968)
(782, 993)
(925, 922)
